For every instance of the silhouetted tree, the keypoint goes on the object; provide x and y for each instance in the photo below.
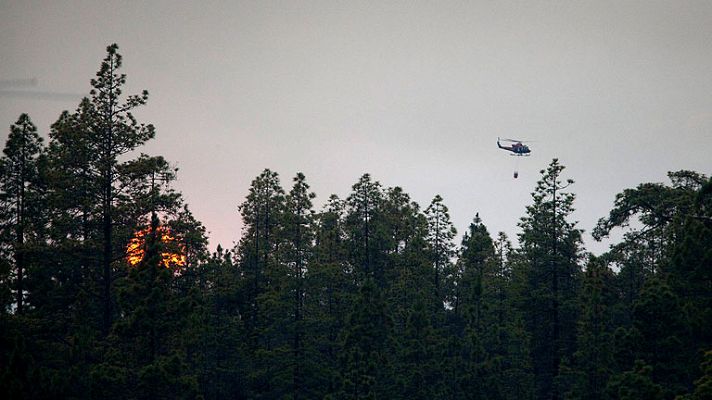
(21, 213)
(551, 246)
(441, 233)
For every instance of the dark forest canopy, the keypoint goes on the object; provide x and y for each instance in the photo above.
(107, 288)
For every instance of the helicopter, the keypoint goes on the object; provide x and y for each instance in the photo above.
(517, 148)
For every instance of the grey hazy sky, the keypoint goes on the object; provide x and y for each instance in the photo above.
(414, 93)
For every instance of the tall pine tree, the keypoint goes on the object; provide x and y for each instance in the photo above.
(21, 205)
(551, 246)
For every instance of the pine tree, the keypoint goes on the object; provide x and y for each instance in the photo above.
(409, 273)
(660, 209)
(260, 213)
(655, 205)
(441, 233)
(690, 277)
(21, 200)
(475, 263)
(298, 254)
(330, 288)
(113, 131)
(551, 247)
(264, 280)
(662, 279)
(414, 309)
(22, 235)
(71, 290)
(366, 231)
(509, 367)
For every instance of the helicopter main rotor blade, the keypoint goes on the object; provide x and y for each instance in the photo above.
(518, 141)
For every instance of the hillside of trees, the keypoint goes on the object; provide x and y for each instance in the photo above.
(369, 297)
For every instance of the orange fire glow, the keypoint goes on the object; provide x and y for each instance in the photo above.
(136, 248)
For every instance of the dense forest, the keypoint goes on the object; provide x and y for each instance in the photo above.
(108, 289)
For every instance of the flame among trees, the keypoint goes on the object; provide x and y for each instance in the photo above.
(172, 251)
